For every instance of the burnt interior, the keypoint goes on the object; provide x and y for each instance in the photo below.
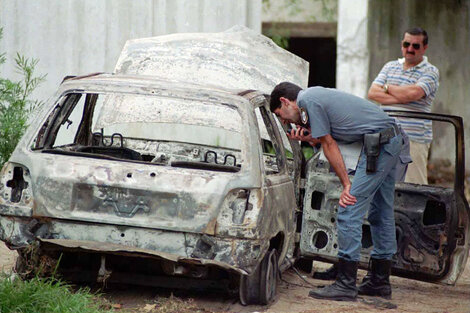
(435, 213)
(317, 200)
(118, 146)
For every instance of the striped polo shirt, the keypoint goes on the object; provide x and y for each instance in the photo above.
(426, 76)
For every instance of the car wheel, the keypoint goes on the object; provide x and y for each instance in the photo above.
(260, 287)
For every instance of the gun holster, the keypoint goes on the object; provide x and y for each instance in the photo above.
(372, 150)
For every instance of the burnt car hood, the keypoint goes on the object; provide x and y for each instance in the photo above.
(242, 57)
(130, 194)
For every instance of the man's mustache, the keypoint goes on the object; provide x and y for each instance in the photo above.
(410, 53)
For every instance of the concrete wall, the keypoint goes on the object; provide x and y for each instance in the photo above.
(448, 27)
(300, 11)
(82, 36)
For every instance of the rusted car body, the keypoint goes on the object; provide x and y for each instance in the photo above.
(173, 166)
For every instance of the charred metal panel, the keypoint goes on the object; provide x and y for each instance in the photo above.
(172, 198)
(236, 254)
(425, 226)
(238, 58)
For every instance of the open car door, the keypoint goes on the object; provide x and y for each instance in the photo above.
(432, 222)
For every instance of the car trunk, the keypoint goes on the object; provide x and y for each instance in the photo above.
(130, 194)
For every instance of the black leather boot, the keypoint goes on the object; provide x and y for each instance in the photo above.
(378, 283)
(329, 274)
(344, 288)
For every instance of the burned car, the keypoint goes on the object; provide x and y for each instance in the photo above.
(137, 175)
(172, 171)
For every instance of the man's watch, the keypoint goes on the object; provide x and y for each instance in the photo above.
(385, 87)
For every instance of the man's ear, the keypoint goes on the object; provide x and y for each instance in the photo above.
(284, 101)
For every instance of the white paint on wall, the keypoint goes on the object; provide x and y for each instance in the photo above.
(352, 61)
(75, 37)
(300, 11)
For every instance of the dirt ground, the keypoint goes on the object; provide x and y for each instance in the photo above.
(408, 295)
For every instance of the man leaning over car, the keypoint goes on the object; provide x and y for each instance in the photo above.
(332, 116)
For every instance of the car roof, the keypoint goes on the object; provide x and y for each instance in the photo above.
(146, 84)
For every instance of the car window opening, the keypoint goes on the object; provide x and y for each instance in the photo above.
(140, 128)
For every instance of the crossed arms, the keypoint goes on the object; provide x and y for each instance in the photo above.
(396, 94)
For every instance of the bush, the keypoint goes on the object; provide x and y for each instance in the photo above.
(15, 103)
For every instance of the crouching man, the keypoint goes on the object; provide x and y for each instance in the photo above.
(332, 116)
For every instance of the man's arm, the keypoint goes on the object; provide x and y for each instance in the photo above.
(377, 93)
(333, 154)
(406, 93)
(396, 94)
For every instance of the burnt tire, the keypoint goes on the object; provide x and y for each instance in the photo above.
(260, 287)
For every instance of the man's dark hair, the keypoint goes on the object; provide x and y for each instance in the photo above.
(415, 31)
(285, 89)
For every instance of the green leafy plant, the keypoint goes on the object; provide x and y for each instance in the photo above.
(49, 295)
(15, 103)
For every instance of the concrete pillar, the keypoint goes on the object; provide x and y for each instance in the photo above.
(352, 62)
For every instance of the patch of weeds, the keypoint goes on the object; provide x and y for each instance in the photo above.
(32, 263)
(172, 304)
(40, 295)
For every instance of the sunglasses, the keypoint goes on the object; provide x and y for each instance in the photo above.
(415, 46)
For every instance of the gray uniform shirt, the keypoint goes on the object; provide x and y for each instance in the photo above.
(343, 116)
(347, 118)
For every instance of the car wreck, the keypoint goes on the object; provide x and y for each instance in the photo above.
(172, 171)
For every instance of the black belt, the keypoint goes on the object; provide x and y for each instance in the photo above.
(389, 133)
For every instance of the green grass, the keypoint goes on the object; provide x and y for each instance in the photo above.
(40, 295)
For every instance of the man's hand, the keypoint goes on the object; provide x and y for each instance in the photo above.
(377, 93)
(302, 134)
(346, 198)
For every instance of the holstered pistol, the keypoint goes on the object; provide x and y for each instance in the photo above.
(372, 150)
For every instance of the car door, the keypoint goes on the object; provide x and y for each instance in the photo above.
(432, 222)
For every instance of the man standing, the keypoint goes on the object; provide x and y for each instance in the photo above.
(334, 116)
(410, 83)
